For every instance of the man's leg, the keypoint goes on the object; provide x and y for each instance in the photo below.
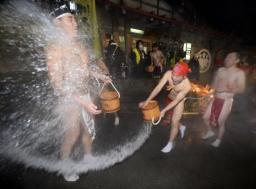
(226, 109)
(71, 134)
(206, 118)
(177, 114)
(87, 141)
(168, 115)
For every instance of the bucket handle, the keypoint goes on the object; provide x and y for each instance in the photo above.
(112, 86)
(98, 83)
(156, 123)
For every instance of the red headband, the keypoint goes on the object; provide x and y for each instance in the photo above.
(181, 69)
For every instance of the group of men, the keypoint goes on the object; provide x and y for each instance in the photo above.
(228, 81)
(140, 60)
(67, 62)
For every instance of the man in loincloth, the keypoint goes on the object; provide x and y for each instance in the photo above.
(179, 86)
(67, 62)
(157, 60)
(228, 81)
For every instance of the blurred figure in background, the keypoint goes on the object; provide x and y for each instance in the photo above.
(228, 81)
(138, 58)
(114, 59)
(157, 60)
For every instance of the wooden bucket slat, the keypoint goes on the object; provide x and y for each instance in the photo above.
(152, 110)
(110, 101)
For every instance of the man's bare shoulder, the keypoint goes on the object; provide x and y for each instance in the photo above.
(221, 69)
(240, 72)
(187, 83)
(159, 52)
(53, 53)
(168, 73)
(152, 53)
(186, 80)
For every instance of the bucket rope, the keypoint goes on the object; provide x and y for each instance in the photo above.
(113, 88)
(156, 123)
(159, 120)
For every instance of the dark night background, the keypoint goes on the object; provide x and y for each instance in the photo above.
(231, 17)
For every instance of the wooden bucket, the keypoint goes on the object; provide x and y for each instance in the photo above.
(150, 68)
(151, 111)
(110, 101)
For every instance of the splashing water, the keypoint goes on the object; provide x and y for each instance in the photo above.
(31, 126)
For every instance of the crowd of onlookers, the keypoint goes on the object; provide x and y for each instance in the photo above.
(140, 64)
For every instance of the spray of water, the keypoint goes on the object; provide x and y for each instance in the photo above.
(31, 124)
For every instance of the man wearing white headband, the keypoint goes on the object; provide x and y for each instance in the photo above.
(64, 19)
(68, 69)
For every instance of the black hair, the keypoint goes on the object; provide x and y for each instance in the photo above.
(238, 55)
(154, 45)
(138, 42)
(59, 9)
(108, 35)
(111, 41)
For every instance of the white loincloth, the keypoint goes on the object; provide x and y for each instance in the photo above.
(88, 119)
